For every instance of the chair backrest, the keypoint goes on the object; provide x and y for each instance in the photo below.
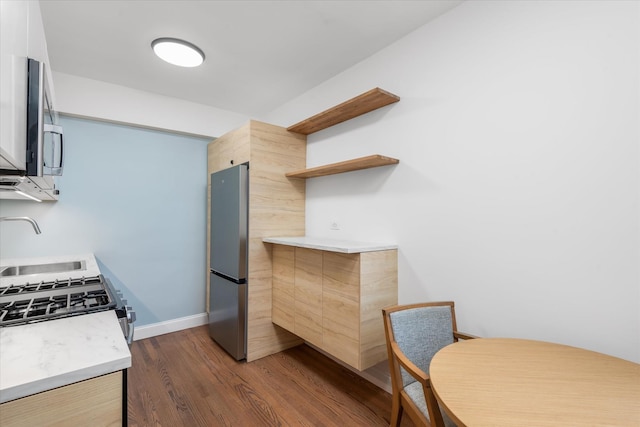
(421, 331)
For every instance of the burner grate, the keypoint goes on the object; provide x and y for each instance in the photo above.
(32, 302)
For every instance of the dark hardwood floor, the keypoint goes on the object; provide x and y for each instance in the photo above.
(186, 379)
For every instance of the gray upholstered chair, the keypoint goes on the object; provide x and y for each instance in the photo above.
(414, 334)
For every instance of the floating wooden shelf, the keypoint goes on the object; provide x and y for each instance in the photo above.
(346, 166)
(361, 104)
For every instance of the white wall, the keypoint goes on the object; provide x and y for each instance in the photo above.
(517, 190)
(79, 96)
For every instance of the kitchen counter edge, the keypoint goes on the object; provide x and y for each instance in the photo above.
(330, 245)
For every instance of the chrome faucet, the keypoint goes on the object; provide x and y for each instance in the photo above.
(22, 218)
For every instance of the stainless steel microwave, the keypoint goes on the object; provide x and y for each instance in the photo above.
(45, 143)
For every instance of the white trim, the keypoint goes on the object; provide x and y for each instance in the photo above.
(83, 97)
(174, 325)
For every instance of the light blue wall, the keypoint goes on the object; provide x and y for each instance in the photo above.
(136, 199)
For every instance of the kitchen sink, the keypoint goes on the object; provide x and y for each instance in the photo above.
(54, 267)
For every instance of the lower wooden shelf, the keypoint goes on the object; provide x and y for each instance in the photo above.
(367, 162)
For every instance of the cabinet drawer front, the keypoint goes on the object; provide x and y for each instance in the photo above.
(94, 402)
(341, 275)
(379, 289)
(283, 309)
(308, 295)
(341, 328)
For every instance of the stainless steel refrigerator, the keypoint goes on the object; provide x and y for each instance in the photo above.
(229, 232)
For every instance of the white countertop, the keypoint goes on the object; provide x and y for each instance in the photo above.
(40, 356)
(331, 245)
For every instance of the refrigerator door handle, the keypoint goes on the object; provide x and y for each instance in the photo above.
(232, 279)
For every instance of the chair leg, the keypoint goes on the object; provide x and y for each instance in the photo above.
(396, 412)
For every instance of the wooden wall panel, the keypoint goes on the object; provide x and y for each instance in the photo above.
(276, 208)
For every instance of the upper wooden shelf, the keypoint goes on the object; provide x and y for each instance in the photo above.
(346, 166)
(361, 104)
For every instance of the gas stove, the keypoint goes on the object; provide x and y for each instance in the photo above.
(36, 302)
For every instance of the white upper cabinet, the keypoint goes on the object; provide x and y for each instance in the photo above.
(21, 36)
(37, 43)
(14, 41)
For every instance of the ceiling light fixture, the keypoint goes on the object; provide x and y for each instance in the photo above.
(178, 52)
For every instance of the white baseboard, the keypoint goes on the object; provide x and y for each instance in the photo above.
(174, 325)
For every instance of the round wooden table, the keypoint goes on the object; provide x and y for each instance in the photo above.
(515, 382)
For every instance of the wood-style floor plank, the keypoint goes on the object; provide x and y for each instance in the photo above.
(186, 379)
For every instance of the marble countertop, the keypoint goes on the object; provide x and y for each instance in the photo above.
(91, 268)
(331, 245)
(40, 356)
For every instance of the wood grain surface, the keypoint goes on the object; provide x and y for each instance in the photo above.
(337, 300)
(283, 309)
(186, 379)
(308, 295)
(93, 402)
(354, 107)
(516, 382)
(372, 161)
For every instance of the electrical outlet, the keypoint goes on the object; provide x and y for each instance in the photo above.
(333, 225)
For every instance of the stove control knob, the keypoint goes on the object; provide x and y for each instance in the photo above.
(131, 315)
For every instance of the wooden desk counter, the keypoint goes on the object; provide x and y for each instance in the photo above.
(514, 382)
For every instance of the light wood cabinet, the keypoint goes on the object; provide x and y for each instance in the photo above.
(308, 295)
(94, 402)
(283, 305)
(231, 149)
(334, 300)
(276, 207)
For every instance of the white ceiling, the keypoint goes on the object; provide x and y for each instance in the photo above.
(259, 54)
